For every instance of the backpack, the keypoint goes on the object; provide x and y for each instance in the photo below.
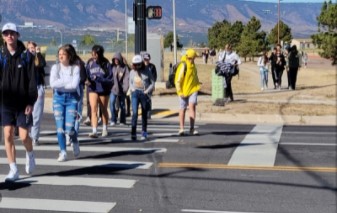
(171, 80)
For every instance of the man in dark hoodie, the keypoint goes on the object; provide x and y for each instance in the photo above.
(18, 89)
(119, 89)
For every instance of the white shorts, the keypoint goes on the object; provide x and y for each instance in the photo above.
(192, 99)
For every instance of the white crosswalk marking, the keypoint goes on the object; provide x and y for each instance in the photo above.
(48, 142)
(76, 181)
(56, 205)
(85, 163)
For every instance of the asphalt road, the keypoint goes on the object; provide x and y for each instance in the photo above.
(228, 168)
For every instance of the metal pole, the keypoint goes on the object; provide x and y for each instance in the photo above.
(140, 34)
(278, 23)
(174, 32)
(126, 29)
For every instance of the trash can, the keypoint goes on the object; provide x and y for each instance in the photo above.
(217, 87)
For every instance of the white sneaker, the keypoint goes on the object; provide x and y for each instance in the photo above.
(12, 176)
(194, 132)
(112, 123)
(87, 121)
(36, 142)
(76, 149)
(93, 135)
(104, 133)
(62, 157)
(181, 132)
(68, 142)
(30, 163)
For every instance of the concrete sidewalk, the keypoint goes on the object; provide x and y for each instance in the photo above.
(167, 107)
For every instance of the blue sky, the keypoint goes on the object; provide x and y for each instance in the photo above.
(292, 1)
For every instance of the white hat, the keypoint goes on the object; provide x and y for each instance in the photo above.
(9, 26)
(137, 59)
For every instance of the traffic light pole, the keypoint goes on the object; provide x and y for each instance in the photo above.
(140, 25)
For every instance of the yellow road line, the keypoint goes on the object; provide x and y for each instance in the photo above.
(167, 112)
(263, 168)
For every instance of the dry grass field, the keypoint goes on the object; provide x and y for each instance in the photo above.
(315, 93)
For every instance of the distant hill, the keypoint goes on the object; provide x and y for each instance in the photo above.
(192, 16)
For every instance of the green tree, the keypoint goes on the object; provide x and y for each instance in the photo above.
(252, 40)
(88, 40)
(326, 38)
(168, 40)
(222, 33)
(285, 34)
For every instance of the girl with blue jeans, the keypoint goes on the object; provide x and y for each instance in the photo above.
(141, 85)
(64, 80)
(262, 63)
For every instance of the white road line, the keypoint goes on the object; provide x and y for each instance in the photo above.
(258, 148)
(211, 211)
(76, 181)
(94, 149)
(307, 144)
(56, 205)
(85, 163)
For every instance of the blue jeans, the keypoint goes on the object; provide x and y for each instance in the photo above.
(263, 77)
(65, 113)
(79, 109)
(113, 110)
(138, 97)
(37, 113)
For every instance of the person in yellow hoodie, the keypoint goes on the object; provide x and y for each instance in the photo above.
(187, 86)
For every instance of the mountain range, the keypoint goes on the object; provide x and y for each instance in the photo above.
(192, 16)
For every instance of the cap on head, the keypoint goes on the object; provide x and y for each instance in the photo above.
(147, 56)
(10, 27)
(190, 53)
(137, 59)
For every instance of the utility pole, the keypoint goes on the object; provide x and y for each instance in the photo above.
(126, 29)
(174, 32)
(278, 24)
(139, 16)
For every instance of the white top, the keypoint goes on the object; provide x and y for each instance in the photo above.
(261, 64)
(65, 78)
(231, 57)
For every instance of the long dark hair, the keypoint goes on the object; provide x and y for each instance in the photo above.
(71, 53)
(101, 60)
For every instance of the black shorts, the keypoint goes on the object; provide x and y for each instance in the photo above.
(12, 117)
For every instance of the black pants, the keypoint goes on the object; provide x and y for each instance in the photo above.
(273, 75)
(228, 89)
(292, 77)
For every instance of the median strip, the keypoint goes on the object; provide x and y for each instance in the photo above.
(261, 168)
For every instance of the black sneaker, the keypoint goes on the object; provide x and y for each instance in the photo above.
(133, 137)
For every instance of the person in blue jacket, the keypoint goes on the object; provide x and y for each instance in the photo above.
(99, 84)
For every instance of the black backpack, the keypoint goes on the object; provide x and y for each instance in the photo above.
(170, 83)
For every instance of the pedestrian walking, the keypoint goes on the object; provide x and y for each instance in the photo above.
(18, 95)
(65, 80)
(39, 63)
(100, 81)
(229, 57)
(295, 62)
(141, 84)
(119, 89)
(152, 68)
(262, 63)
(187, 87)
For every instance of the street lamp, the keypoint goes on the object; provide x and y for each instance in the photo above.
(59, 31)
(126, 29)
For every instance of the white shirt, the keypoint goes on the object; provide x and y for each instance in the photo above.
(65, 78)
(231, 57)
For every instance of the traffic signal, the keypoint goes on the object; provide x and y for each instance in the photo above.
(154, 12)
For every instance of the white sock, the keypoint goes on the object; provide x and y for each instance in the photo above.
(94, 130)
(104, 127)
(13, 167)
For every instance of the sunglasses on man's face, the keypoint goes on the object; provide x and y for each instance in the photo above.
(8, 33)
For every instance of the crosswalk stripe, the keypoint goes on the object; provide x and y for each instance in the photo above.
(76, 181)
(109, 140)
(85, 163)
(94, 149)
(56, 205)
(258, 148)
